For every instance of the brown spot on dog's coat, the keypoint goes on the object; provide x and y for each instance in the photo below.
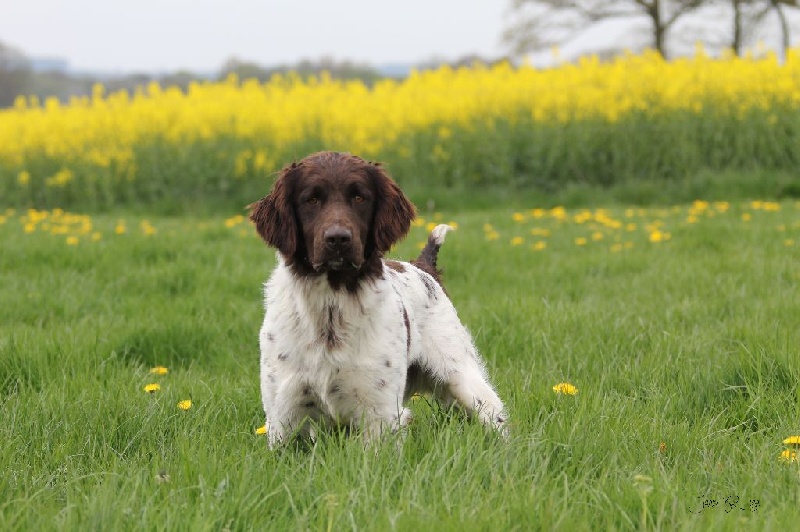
(407, 324)
(396, 266)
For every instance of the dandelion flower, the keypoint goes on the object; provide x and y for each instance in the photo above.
(788, 456)
(186, 404)
(261, 430)
(159, 370)
(517, 240)
(72, 240)
(565, 388)
(580, 241)
(152, 388)
(794, 441)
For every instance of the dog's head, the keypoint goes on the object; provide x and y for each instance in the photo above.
(332, 213)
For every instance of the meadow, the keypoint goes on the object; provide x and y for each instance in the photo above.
(627, 257)
(676, 326)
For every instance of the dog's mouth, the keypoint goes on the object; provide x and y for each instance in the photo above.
(336, 264)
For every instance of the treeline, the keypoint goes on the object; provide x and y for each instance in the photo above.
(19, 77)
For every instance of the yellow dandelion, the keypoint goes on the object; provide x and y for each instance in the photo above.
(746, 217)
(517, 240)
(23, 178)
(656, 236)
(234, 220)
(72, 240)
(580, 241)
(794, 441)
(662, 447)
(565, 388)
(788, 456)
(453, 224)
(430, 226)
(261, 430)
(147, 228)
(492, 235)
(186, 404)
(788, 242)
(152, 388)
(159, 370)
(597, 235)
(518, 217)
(96, 236)
(120, 228)
(539, 246)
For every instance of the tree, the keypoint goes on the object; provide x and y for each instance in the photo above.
(748, 15)
(554, 21)
(15, 75)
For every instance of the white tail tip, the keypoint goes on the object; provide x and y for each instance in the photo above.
(439, 232)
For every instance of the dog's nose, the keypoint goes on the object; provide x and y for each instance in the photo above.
(337, 237)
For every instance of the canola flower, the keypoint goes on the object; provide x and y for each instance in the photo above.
(101, 138)
(565, 388)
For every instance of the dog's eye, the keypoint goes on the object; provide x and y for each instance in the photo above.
(312, 200)
(358, 198)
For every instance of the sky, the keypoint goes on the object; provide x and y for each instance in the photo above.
(199, 35)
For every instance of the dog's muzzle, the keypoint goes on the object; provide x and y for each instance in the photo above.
(338, 248)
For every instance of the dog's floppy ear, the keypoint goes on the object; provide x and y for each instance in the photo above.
(274, 216)
(393, 213)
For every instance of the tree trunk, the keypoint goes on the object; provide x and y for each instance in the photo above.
(784, 27)
(737, 28)
(659, 28)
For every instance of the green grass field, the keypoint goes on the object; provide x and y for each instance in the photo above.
(679, 326)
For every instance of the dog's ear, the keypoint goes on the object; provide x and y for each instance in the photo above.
(274, 216)
(393, 212)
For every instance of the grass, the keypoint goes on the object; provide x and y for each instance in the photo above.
(679, 327)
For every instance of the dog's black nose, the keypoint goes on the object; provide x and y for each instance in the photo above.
(337, 237)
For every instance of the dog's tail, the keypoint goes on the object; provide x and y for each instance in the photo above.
(428, 255)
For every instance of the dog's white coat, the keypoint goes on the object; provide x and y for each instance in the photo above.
(338, 357)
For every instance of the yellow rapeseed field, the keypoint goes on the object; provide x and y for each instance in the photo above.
(255, 127)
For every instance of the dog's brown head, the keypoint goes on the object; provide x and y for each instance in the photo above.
(333, 213)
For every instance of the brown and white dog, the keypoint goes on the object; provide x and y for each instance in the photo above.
(349, 337)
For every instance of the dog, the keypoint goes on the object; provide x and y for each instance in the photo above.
(348, 337)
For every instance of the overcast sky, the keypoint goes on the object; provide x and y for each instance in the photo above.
(201, 34)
